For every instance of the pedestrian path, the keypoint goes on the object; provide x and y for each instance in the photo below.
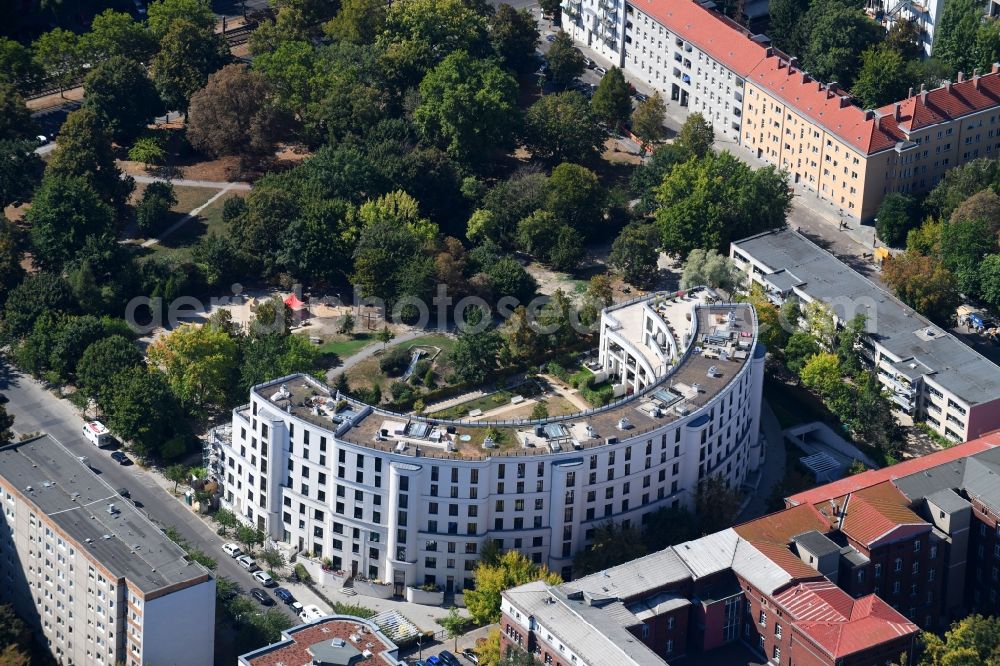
(187, 218)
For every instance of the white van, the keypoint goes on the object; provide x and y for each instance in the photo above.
(310, 613)
(96, 433)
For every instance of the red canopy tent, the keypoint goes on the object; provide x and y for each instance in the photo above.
(300, 310)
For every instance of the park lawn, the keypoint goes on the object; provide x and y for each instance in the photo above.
(178, 245)
(345, 347)
(557, 406)
(367, 374)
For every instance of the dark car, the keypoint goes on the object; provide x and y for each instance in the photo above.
(449, 659)
(284, 595)
(640, 97)
(550, 38)
(434, 661)
(121, 458)
(263, 597)
(124, 493)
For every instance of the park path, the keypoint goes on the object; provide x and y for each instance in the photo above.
(187, 218)
(369, 351)
(185, 182)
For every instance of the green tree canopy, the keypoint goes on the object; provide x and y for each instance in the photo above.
(102, 361)
(17, 67)
(635, 252)
(163, 14)
(123, 97)
(837, 35)
(233, 114)
(897, 215)
(514, 34)
(15, 117)
(468, 107)
(37, 294)
(562, 127)
(512, 569)
(118, 34)
(357, 21)
(59, 54)
(799, 349)
(882, 77)
(64, 213)
(126, 403)
(648, 118)
(707, 203)
(613, 544)
(566, 62)
(972, 640)
(612, 101)
(575, 196)
(188, 54)
(20, 170)
(696, 135)
(200, 365)
(709, 268)
(956, 34)
(924, 284)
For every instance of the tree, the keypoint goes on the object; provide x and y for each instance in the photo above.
(37, 294)
(232, 114)
(474, 355)
(199, 364)
(6, 423)
(508, 278)
(520, 337)
(539, 411)
(188, 55)
(956, 34)
(454, 625)
(64, 213)
(772, 331)
(882, 77)
(514, 34)
(799, 349)
(248, 537)
(17, 67)
(709, 202)
(974, 639)
(536, 234)
(59, 54)
(114, 34)
(896, 216)
(925, 239)
(961, 183)
(227, 521)
(346, 326)
(562, 127)
(488, 649)
(15, 116)
(964, 243)
(513, 569)
(709, 268)
(989, 280)
(153, 211)
(11, 272)
(382, 249)
(837, 35)
(566, 62)
(102, 361)
(986, 49)
(357, 22)
(635, 253)
(575, 197)
(163, 14)
(647, 177)
(399, 209)
(126, 403)
(568, 251)
(924, 284)
(848, 340)
(696, 135)
(612, 101)
(468, 107)
(178, 474)
(384, 335)
(820, 323)
(20, 170)
(869, 414)
(822, 374)
(905, 37)
(273, 558)
(612, 545)
(784, 25)
(648, 118)
(123, 97)
(84, 150)
(716, 504)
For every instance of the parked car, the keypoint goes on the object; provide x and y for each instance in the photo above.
(471, 655)
(96, 433)
(449, 659)
(550, 38)
(296, 607)
(601, 71)
(125, 493)
(247, 563)
(231, 549)
(589, 63)
(284, 595)
(121, 458)
(641, 97)
(264, 578)
(262, 596)
(434, 661)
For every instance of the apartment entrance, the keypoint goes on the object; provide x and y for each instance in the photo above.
(399, 583)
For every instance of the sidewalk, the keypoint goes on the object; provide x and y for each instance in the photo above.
(772, 471)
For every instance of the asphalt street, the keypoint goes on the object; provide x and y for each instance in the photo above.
(37, 410)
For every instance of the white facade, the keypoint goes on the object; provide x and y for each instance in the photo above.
(413, 501)
(596, 23)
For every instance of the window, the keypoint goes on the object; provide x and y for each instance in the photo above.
(776, 654)
(762, 620)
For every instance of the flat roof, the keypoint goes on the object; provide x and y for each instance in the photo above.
(77, 501)
(897, 327)
(696, 378)
(359, 642)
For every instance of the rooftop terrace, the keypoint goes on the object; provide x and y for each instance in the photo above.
(106, 527)
(705, 368)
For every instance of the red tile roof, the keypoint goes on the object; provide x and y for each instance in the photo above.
(772, 534)
(838, 624)
(950, 101)
(713, 34)
(832, 110)
(295, 651)
(870, 478)
(878, 511)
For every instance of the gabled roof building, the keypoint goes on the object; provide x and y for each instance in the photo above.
(842, 576)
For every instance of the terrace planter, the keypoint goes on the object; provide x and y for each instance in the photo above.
(371, 589)
(460, 599)
(417, 596)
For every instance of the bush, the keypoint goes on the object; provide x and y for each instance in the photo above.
(420, 371)
(581, 379)
(401, 392)
(340, 608)
(394, 362)
(301, 572)
(599, 394)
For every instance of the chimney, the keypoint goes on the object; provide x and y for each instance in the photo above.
(923, 93)
(844, 101)
(975, 78)
(781, 63)
(769, 52)
(961, 77)
(947, 86)
(895, 110)
(995, 68)
(869, 114)
(793, 62)
(909, 93)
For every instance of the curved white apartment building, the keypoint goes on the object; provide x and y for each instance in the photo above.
(413, 500)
